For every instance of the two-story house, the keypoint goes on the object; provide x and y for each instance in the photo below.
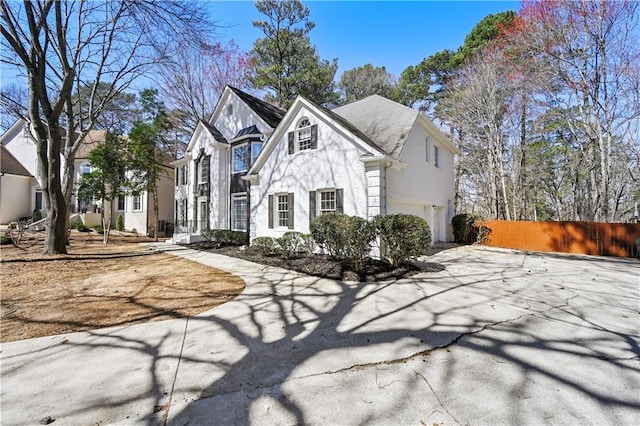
(370, 157)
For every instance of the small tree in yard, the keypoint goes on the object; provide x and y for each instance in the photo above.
(109, 161)
(404, 236)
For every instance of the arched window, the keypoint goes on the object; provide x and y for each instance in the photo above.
(303, 134)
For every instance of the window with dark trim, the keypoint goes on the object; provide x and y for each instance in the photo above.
(327, 201)
(303, 134)
(121, 201)
(304, 137)
(281, 210)
(436, 156)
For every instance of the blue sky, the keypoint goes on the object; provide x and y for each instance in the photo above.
(394, 34)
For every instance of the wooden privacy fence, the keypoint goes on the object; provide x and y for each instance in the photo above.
(595, 238)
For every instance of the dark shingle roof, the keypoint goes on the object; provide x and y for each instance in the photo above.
(269, 113)
(251, 130)
(10, 165)
(214, 131)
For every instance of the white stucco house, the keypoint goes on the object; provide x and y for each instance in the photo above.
(137, 210)
(16, 184)
(370, 157)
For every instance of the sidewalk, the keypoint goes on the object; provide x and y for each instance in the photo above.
(499, 336)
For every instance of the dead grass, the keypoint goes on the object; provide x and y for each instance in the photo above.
(97, 286)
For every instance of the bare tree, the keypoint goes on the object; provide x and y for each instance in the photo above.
(476, 101)
(62, 46)
(194, 81)
(592, 50)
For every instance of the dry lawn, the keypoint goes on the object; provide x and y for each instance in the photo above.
(97, 286)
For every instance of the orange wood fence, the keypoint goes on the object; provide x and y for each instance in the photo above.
(595, 238)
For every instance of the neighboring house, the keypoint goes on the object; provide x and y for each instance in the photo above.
(16, 184)
(370, 157)
(137, 210)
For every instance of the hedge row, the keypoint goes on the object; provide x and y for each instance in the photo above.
(349, 238)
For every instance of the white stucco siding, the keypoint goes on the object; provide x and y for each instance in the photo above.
(421, 186)
(240, 118)
(15, 197)
(24, 149)
(334, 164)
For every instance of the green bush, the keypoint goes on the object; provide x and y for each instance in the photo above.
(464, 230)
(4, 240)
(225, 237)
(404, 236)
(267, 246)
(98, 228)
(80, 226)
(346, 238)
(120, 223)
(292, 243)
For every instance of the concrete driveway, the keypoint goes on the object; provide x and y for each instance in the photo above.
(497, 337)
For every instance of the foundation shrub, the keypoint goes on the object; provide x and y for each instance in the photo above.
(404, 236)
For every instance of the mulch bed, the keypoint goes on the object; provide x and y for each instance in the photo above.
(322, 265)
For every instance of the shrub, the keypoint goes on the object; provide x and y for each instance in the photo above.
(225, 237)
(346, 238)
(464, 230)
(120, 223)
(80, 227)
(404, 235)
(267, 246)
(98, 228)
(292, 243)
(4, 240)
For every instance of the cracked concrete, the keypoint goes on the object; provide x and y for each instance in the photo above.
(497, 337)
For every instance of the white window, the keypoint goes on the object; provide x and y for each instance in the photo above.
(204, 169)
(137, 202)
(327, 201)
(120, 202)
(436, 156)
(86, 169)
(240, 158)
(303, 134)
(427, 149)
(282, 209)
(239, 212)
(256, 147)
(204, 214)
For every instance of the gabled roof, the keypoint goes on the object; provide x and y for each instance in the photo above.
(269, 113)
(384, 121)
(214, 131)
(91, 141)
(10, 165)
(11, 132)
(358, 136)
(353, 129)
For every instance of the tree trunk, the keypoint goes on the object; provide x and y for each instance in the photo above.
(56, 237)
(156, 210)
